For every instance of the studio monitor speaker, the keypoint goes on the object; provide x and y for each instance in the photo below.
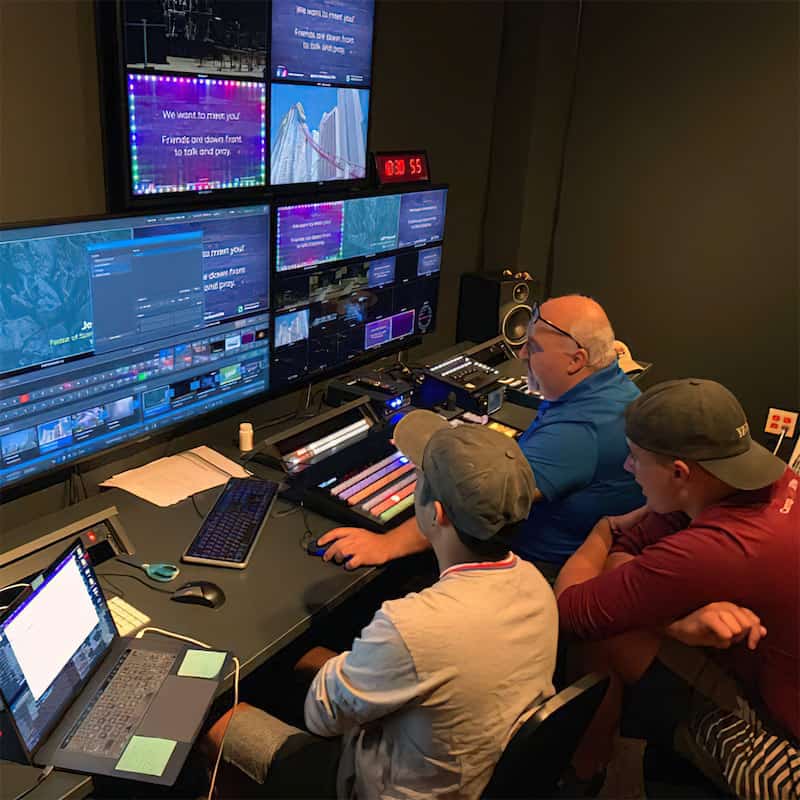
(493, 304)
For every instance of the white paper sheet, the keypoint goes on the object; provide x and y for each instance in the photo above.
(167, 481)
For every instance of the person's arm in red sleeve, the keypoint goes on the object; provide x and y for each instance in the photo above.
(635, 531)
(599, 551)
(670, 579)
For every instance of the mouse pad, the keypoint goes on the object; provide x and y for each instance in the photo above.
(167, 718)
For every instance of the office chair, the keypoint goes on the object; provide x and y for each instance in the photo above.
(540, 751)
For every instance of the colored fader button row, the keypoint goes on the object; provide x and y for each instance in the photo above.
(383, 490)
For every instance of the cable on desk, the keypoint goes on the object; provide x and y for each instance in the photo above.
(275, 421)
(102, 578)
(137, 578)
(40, 778)
(194, 503)
(12, 586)
(236, 667)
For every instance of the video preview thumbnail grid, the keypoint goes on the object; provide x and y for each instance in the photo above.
(316, 233)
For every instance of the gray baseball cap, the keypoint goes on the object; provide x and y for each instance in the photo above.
(480, 476)
(700, 420)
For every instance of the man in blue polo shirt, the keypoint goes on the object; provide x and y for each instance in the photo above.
(575, 446)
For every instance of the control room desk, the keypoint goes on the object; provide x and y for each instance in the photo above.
(268, 604)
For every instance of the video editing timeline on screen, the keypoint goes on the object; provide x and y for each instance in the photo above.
(352, 276)
(213, 103)
(343, 464)
(116, 327)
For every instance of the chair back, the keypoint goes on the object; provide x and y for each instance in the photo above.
(540, 751)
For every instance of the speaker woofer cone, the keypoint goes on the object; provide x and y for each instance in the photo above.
(515, 324)
(521, 293)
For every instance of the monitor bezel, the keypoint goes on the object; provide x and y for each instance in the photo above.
(57, 474)
(374, 354)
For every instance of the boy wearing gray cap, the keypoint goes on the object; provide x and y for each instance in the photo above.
(714, 560)
(439, 681)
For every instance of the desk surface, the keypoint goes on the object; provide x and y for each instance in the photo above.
(268, 604)
(16, 778)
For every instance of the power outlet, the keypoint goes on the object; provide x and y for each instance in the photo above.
(778, 419)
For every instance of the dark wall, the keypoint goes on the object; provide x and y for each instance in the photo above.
(50, 141)
(435, 82)
(679, 209)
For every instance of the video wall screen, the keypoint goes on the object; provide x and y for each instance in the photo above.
(214, 103)
(117, 327)
(321, 70)
(351, 277)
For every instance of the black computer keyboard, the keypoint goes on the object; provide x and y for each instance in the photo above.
(232, 527)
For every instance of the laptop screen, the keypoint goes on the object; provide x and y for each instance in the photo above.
(51, 643)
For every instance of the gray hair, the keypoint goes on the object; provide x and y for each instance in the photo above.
(597, 337)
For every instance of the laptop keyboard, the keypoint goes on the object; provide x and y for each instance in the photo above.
(118, 706)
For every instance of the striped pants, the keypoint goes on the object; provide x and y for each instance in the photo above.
(725, 737)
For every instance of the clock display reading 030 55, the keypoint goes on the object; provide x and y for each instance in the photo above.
(402, 167)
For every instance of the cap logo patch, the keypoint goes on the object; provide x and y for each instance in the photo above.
(742, 430)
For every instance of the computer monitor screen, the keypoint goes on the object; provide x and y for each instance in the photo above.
(353, 277)
(317, 133)
(116, 327)
(226, 38)
(190, 134)
(197, 98)
(196, 94)
(321, 71)
(51, 643)
(322, 40)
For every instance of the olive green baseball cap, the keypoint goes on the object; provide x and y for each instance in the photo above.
(480, 476)
(700, 420)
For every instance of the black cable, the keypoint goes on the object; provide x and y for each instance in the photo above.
(293, 509)
(194, 503)
(551, 251)
(137, 578)
(40, 778)
(276, 421)
(83, 485)
(308, 535)
(111, 583)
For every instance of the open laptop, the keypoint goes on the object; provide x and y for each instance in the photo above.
(83, 698)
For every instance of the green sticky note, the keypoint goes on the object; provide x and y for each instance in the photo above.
(146, 755)
(201, 664)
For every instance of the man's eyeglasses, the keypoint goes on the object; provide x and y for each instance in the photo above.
(536, 316)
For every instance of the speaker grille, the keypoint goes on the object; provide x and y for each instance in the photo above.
(515, 324)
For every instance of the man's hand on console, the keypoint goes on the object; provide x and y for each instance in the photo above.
(718, 625)
(356, 547)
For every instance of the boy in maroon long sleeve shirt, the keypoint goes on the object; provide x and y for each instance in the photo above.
(723, 525)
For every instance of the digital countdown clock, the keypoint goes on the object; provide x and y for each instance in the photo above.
(408, 166)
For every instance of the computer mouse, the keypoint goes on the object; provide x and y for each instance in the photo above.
(314, 548)
(201, 593)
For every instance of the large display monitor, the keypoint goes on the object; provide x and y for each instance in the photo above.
(198, 98)
(116, 327)
(321, 73)
(353, 277)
